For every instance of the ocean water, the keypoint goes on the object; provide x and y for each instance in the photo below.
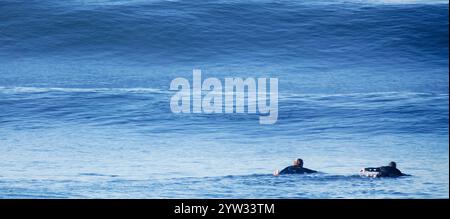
(84, 98)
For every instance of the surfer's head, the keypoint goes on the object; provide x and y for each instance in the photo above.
(393, 164)
(298, 162)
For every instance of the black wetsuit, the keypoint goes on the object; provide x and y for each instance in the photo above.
(296, 170)
(386, 171)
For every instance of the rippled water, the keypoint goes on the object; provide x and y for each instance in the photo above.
(84, 100)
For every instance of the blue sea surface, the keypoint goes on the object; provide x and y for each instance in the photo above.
(85, 100)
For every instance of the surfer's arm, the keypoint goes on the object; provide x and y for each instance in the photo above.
(309, 170)
(284, 171)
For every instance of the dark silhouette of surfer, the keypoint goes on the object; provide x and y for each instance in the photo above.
(297, 168)
(384, 171)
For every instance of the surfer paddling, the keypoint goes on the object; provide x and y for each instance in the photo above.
(384, 171)
(297, 168)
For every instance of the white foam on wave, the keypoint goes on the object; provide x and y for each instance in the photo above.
(156, 90)
(78, 90)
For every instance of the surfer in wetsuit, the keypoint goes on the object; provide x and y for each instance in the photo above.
(297, 168)
(385, 171)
